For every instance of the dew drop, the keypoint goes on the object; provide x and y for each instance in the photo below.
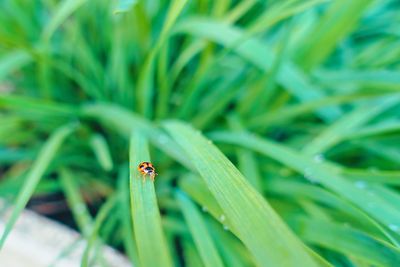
(222, 218)
(226, 228)
(394, 227)
(309, 176)
(162, 139)
(204, 209)
(360, 184)
(319, 158)
(210, 142)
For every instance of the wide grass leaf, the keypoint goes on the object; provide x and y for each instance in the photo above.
(150, 239)
(266, 236)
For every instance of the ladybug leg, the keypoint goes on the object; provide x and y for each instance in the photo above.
(143, 177)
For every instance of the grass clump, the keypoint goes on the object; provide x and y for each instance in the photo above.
(301, 100)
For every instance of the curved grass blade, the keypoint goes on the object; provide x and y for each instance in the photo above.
(263, 232)
(150, 239)
(204, 243)
(376, 206)
(101, 151)
(145, 79)
(348, 241)
(65, 9)
(104, 211)
(349, 123)
(13, 61)
(39, 167)
(257, 52)
(76, 202)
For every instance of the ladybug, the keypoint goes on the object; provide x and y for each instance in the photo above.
(146, 168)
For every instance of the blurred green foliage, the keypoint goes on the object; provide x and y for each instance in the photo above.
(300, 97)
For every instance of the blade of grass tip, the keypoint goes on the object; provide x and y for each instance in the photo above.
(268, 239)
(381, 210)
(79, 208)
(46, 154)
(150, 239)
(104, 211)
(75, 202)
(13, 61)
(202, 239)
(64, 10)
(145, 79)
(125, 215)
(101, 151)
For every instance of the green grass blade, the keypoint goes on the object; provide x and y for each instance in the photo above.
(76, 202)
(264, 234)
(125, 214)
(198, 228)
(150, 239)
(101, 151)
(191, 255)
(348, 124)
(32, 105)
(46, 154)
(257, 53)
(104, 211)
(145, 88)
(376, 206)
(290, 112)
(348, 241)
(13, 61)
(336, 23)
(64, 10)
(247, 161)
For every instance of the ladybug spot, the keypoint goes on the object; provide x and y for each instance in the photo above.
(148, 169)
